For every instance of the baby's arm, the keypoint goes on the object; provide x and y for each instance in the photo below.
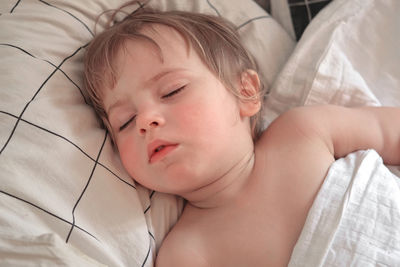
(345, 130)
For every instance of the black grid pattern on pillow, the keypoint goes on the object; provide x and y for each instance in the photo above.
(302, 12)
(21, 121)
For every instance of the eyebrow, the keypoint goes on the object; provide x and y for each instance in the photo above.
(116, 104)
(153, 79)
(160, 75)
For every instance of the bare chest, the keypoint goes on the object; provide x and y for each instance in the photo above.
(243, 237)
(262, 225)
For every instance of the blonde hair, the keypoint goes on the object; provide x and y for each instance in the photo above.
(214, 39)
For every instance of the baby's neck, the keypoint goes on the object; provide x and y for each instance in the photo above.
(223, 190)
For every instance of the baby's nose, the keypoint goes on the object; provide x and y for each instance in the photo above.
(149, 121)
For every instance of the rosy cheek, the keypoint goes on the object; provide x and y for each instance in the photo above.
(129, 154)
(187, 112)
(196, 118)
(187, 117)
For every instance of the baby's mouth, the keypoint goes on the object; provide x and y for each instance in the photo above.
(158, 150)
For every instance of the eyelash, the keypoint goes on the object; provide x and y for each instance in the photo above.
(177, 91)
(127, 123)
(173, 92)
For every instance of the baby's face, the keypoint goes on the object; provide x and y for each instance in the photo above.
(174, 122)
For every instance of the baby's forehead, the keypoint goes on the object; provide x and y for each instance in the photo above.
(154, 46)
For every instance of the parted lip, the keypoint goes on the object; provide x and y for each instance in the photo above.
(156, 144)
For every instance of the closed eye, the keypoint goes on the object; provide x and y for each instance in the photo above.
(174, 92)
(126, 124)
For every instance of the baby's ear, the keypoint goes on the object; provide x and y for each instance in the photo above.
(249, 89)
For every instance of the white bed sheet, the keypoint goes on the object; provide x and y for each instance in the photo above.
(355, 218)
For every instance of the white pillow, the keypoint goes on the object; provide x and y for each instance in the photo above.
(64, 196)
(349, 55)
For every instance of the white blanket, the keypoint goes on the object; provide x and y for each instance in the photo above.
(355, 219)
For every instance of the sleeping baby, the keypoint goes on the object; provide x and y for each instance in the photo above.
(181, 99)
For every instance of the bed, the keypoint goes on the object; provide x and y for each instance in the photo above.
(64, 196)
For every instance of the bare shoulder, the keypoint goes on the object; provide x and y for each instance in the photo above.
(300, 125)
(181, 248)
(297, 154)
